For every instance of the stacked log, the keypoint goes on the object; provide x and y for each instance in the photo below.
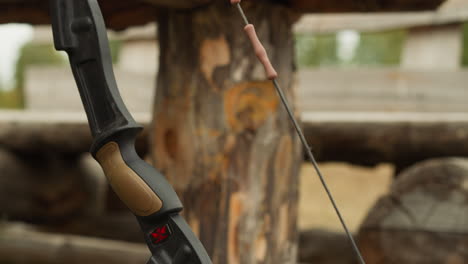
(424, 217)
(22, 244)
(325, 247)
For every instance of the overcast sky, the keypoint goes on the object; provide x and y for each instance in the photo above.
(13, 36)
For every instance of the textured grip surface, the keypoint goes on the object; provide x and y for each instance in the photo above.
(260, 52)
(130, 188)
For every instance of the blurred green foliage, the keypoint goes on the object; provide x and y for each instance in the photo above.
(465, 45)
(373, 49)
(380, 48)
(316, 51)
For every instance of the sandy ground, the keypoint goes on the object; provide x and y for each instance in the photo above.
(355, 189)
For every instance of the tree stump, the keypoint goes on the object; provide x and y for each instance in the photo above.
(424, 219)
(220, 134)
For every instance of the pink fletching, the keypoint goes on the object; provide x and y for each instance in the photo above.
(233, 2)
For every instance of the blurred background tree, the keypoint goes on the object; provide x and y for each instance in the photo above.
(373, 49)
(465, 46)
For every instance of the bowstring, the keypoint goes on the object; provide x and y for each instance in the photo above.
(310, 155)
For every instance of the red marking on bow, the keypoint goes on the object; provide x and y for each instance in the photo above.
(160, 235)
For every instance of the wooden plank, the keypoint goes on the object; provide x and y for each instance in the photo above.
(383, 90)
(368, 22)
(433, 47)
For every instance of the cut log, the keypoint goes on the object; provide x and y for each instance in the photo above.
(55, 132)
(47, 187)
(20, 244)
(221, 136)
(399, 138)
(423, 218)
(121, 226)
(356, 137)
(324, 247)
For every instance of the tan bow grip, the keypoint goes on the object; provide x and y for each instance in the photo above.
(130, 188)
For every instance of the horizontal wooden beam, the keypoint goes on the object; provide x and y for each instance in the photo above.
(383, 89)
(22, 244)
(66, 133)
(125, 13)
(186, 4)
(118, 14)
(340, 6)
(400, 138)
(369, 22)
(362, 138)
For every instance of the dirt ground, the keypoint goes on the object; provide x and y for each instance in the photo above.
(355, 189)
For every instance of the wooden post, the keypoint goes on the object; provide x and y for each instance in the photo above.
(220, 134)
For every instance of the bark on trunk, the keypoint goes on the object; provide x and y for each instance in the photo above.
(220, 134)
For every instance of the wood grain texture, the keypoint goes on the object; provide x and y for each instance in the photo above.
(423, 218)
(220, 136)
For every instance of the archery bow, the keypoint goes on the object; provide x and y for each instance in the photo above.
(273, 76)
(79, 29)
